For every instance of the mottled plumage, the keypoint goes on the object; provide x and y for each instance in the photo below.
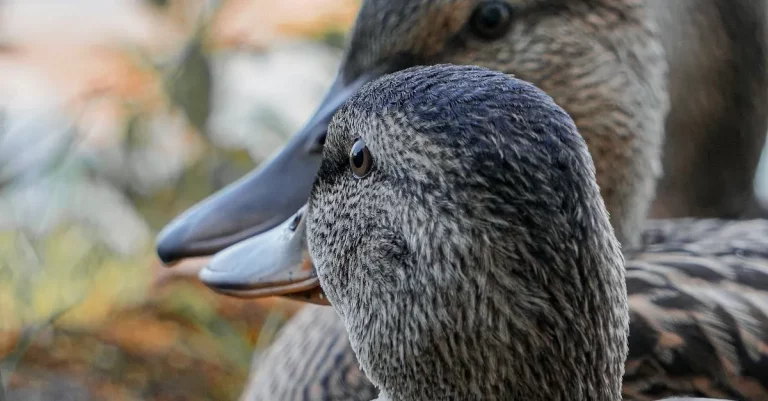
(698, 296)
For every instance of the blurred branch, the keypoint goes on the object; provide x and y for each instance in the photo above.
(272, 324)
(335, 38)
(189, 80)
(159, 3)
(189, 84)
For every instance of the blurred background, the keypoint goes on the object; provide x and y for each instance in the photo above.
(115, 116)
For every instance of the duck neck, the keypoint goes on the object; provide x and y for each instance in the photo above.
(496, 331)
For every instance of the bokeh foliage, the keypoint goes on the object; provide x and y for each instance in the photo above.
(114, 151)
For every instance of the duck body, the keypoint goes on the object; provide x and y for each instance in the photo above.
(718, 89)
(321, 366)
(698, 296)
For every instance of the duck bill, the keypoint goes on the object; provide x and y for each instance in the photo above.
(275, 262)
(264, 198)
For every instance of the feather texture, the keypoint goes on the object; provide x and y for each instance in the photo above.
(698, 296)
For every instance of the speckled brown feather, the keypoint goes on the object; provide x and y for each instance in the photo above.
(698, 294)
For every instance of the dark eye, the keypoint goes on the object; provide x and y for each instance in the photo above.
(360, 160)
(491, 19)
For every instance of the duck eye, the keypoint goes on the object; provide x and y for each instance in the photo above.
(491, 19)
(360, 159)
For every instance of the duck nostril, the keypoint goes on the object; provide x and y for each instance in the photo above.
(319, 143)
(295, 223)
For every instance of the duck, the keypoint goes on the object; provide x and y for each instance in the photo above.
(441, 244)
(458, 231)
(636, 75)
(604, 61)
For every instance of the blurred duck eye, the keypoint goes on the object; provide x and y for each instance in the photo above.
(360, 159)
(491, 19)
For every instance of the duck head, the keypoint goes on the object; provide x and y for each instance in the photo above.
(459, 233)
(600, 59)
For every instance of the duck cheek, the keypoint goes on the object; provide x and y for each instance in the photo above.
(387, 257)
(331, 259)
(329, 273)
(329, 286)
